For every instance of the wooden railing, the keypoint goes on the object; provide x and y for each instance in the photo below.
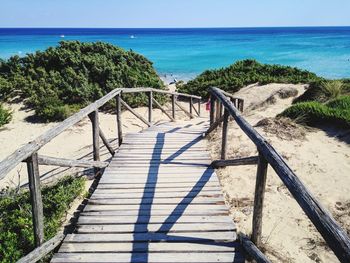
(29, 152)
(330, 230)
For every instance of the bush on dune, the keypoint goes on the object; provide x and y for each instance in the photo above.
(16, 229)
(243, 73)
(59, 80)
(5, 115)
(336, 112)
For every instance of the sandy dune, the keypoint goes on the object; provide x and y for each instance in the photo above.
(319, 159)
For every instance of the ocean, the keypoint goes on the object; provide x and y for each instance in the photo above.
(185, 53)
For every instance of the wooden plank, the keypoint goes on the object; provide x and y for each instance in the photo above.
(95, 137)
(102, 193)
(150, 247)
(331, 231)
(159, 180)
(26, 151)
(261, 176)
(186, 257)
(145, 201)
(234, 162)
(40, 252)
(159, 228)
(169, 189)
(220, 236)
(134, 112)
(163, 110)
(189, 211)
(47, 160)
(179, 209)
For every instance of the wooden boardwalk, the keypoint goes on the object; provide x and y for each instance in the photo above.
(157, 201)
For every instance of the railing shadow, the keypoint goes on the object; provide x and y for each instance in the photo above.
(141, 249)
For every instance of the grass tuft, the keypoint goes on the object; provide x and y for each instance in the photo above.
(16, 229)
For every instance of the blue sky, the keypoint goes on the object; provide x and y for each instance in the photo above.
(180, 13)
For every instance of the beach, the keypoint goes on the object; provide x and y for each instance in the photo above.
(320, 158)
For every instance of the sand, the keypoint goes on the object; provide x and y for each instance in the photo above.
(74, 143)
(319, 159)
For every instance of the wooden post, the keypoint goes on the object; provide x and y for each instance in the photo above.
(261, 176)
(217, 110)
(119, 120)
(36, 200)
(150, 106)
(212, 113)
(199, 108)
(191, 105)
(95, 137)
(224, 135)
(173, 98)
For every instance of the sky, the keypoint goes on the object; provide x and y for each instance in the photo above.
(174, 13)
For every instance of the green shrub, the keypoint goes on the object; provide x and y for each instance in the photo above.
(315, 113)
(16, 230)
(243, 73)
(75, 74)
(5, 115)
(325, 90)
(332, 88)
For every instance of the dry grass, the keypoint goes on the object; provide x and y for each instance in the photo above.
(283, 128)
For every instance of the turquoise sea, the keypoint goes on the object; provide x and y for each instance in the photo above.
(184, 53)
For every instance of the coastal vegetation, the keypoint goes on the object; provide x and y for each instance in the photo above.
(60, 80)
(245, 72)
(5, 115)
(325, 101)
(16, 229)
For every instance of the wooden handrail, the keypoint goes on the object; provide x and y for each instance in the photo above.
(330, 230)
(29, 152)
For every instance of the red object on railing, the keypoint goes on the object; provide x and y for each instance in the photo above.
(207, 105)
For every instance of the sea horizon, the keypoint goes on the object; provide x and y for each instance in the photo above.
(183, 53)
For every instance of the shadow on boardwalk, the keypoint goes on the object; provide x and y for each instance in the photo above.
(140, 250)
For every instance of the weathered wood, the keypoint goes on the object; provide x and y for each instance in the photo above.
(36, 199)
(191, 105)
(104, 139)
(163, 110)
(173, 99)
(106, 142)
(47, 160)
(331, 231)
(176, 94)
(212, 110)
(26, 151)
(199, 108)
(150, 106)
(184, 110)
(184, 257)
(224, 135)
(153, 247)
(252, 250)
(135, 113)
(43, 250)
(95, 134)
(234, 162)
(214, 126)
(119, 120)
(260, 184)
(196, 111)
(136, 90)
